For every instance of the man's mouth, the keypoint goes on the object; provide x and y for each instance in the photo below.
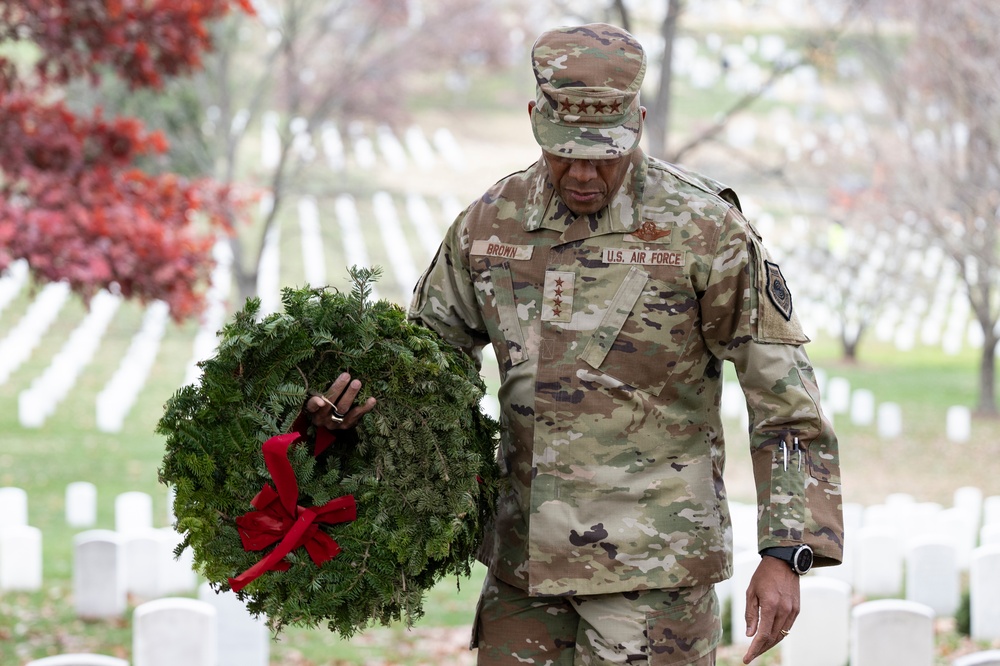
(584, 197)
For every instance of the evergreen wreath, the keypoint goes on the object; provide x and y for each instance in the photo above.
(421, 466)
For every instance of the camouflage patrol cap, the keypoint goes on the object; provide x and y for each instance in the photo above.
(587, 97)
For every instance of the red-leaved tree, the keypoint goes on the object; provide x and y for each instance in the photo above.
(73, 201)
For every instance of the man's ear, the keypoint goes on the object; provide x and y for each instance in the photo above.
(531, 107)
(643, 110)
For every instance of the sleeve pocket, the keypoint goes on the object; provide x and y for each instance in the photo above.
(777, 321)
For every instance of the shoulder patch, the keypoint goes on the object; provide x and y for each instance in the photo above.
(777, 290)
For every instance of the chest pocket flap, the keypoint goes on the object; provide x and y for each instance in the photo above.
(596, 351)
(643, 337)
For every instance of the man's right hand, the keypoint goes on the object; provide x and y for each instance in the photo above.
(335, 409)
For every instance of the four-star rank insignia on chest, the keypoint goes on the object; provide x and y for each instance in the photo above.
(557, 296)
(777, 290)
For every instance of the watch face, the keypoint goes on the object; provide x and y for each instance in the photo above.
(803, 559)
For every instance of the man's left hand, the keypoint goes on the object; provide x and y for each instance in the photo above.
(772, 605)
(335, 409)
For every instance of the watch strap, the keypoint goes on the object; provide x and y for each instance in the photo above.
(789, 555)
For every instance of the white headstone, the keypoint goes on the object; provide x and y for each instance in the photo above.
(244, 640)
(991, 510)
(451, 208)
(838, 395)
(302, 143)
(12, 279)
(490, 405)
(821, 632)
(16, 347)
(391, 231)
(78, 659)
(960, 529)
(984, 593)
(313, 257)
(333, 146)
(845, 572)
(734, 403)
(269, 271)
(880, 515)
(447, 146)
(742, 134)
(878, 568)
(890, 420)
(133, 512)
(958, 423)
(724, 591)
(428, 230)
(364, 150)
(890, 632)
(351, 234)
(900, 499)
(985, 658)
(744, 520)
(989, 535)
(270, 140)
(99, 574)
(951, 340)
(392, 149)
(13, 506)
(179, 576)
(173, 631)
(81, 504)
(969, 499)
(932, 575)
(146, 559)
(419, 147)
(20, 558)
(853, 517)
(171, 499)
(862, 407)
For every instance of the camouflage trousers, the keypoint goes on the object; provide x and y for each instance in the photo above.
(676, 627)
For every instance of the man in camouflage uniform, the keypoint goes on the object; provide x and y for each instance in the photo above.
(612, 287)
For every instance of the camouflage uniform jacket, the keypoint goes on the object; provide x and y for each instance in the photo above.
(610, 331)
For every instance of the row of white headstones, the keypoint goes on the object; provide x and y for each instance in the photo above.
(37, 403)
(133, 563)
(904, 565)
(209, 630)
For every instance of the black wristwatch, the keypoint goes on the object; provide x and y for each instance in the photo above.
(799, 558)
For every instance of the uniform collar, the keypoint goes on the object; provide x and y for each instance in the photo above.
(545, 210)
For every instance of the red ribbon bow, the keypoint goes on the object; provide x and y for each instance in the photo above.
(278, 518)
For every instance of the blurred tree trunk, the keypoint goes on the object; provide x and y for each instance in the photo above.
(658, 118)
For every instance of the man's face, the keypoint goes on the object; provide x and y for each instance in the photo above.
(586, 186)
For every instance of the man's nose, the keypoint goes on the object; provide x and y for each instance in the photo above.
(582, 169)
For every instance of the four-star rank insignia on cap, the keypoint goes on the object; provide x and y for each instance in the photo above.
(777, 290)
